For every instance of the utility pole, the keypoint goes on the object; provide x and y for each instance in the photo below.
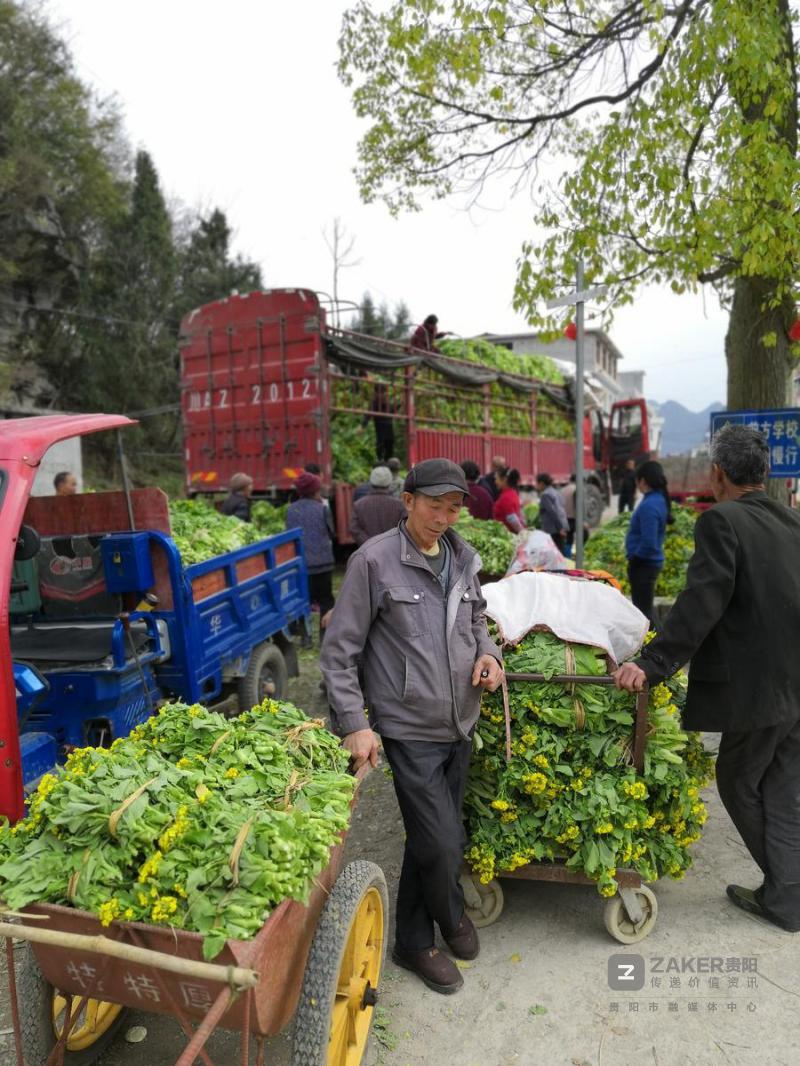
(579, 298)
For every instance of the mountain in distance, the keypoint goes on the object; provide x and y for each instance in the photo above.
(683, 429)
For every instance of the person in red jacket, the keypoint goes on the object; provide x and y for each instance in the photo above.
(426, 335)
(508, 506)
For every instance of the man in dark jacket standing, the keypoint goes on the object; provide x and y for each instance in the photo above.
(238, 501)
(737, 620)
(378, 511)
(412, 608)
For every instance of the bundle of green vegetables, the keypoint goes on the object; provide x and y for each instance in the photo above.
(192, 821)
(531, 514)
(267, 518)
(605, 550)
(570, 790)
(492, 541)
(201, 532)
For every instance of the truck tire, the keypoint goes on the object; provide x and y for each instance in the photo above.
(347, 954)
(35, 999)
(266, 677)
(593, 504)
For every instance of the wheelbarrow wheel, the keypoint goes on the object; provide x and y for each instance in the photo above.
(483, 903)
(340, 985)
(622, 926)
(42, 1013)
(266, 676)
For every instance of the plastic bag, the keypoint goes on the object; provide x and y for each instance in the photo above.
(537, 551)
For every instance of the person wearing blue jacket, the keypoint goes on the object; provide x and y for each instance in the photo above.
(644, 543)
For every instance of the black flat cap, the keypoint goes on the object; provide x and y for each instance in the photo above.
(435, 477)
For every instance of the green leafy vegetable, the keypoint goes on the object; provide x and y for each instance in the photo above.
(570, 790)
(492, 541)
(192, 821)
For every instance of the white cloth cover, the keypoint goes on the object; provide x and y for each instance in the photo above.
(576, 610)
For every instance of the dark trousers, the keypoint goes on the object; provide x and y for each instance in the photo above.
(384, 439)
(758, 777)
(320, 590)
(429, 779)
(643, 577)
(625, 503)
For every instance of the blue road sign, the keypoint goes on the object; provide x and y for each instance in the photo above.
(782, 430)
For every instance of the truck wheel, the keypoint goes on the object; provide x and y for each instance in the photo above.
(42, 1012)
(266, 677)
(593, 506)
(340, 986)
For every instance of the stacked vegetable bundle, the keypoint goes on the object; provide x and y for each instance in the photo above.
(570, 789)
(605, 550)
(492, 541)
(201, 532)
(192, 821)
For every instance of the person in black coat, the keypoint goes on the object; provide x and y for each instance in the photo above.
(737, 620)
(238, 500)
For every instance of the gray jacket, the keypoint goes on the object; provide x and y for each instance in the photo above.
(418, 645)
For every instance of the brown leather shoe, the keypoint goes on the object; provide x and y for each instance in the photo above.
(431, 966)
(464, 942)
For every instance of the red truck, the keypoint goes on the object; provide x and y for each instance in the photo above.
(266, 381)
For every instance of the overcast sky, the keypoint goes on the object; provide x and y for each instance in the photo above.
(240, 106)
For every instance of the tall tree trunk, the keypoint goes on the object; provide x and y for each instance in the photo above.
(759, 374)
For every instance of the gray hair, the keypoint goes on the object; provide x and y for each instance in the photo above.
(741, 453)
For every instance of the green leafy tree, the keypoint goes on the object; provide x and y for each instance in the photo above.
(126, 342)
(207, 269)
(678, 122)
(61, 180)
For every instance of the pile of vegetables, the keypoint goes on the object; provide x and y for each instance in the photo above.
(531, 515)
(192, 821)
(442, 404)
(201, 532)
(570, 790)
(267, 518)
(605, 550)
(492, 540)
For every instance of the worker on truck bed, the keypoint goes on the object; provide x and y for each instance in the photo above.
(411, 610)
(238, 501)
(736, 624)
(378, 511)
(425, 336)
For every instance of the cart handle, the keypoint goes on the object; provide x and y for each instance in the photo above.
(102, 945)
(566, 679)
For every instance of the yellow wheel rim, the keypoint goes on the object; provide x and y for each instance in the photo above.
(95, 1018)
(358, 978)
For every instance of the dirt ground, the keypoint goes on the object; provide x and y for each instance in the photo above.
(539, 991)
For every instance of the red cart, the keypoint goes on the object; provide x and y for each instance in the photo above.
(320, 963)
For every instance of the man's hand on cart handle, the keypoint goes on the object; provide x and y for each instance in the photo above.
(487, 672)
(363, 746)
(630, 676)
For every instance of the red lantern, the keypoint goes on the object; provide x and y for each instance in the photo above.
(571, 332)
(794, 331)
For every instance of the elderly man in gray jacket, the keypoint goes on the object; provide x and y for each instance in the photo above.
(411, 609)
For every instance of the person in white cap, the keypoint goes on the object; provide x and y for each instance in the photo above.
(379, 510)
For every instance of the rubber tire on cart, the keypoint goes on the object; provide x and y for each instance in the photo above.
(343, 970)
(619, 924)
(266, 677)
(483, 904)
(593, 506)
(35, 996)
